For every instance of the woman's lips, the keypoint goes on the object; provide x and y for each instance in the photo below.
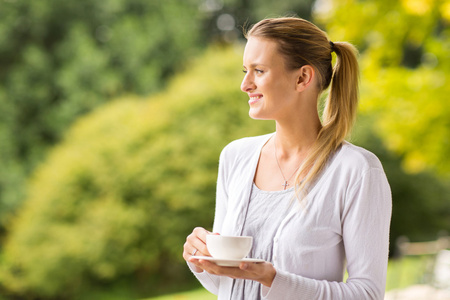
(254, 99)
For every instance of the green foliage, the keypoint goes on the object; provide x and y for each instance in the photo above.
(61, 59)
(253, 11)
(116, 200)
(405, 72)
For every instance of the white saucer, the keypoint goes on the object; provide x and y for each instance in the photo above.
(229, 262)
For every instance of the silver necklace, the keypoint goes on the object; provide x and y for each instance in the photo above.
(285, 184)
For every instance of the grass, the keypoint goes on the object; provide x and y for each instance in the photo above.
(401, 273)
(408, 271)
(199, 294)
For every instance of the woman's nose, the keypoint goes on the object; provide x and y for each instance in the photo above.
(247, 84)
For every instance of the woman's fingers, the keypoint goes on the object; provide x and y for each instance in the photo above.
(196, 243)
(261, 272)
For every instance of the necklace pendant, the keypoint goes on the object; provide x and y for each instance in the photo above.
(285, 184)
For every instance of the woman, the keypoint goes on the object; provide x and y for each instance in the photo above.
(314, 203)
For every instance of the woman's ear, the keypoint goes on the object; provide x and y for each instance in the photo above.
(306, 75)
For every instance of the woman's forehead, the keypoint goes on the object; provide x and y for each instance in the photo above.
(261, 51)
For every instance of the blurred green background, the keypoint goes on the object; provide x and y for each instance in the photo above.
(114, 112)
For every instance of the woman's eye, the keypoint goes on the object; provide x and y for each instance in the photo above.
(258, 71)
(245, 71)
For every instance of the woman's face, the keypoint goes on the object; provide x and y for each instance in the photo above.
(269, 85)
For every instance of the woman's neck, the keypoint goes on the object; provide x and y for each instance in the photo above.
(296, 138)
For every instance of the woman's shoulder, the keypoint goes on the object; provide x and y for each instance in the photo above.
(248, 143)
(246, 146)
(355, 157)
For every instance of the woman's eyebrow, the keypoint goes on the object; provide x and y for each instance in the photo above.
(255, 65)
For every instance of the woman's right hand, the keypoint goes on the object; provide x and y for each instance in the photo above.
(196, 245)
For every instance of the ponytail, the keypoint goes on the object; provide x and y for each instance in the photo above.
(338, 116)
(340, 108)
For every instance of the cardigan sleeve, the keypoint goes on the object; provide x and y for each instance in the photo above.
(209, 281)
(365, 225)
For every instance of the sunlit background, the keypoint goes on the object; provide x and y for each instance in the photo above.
(113, 114)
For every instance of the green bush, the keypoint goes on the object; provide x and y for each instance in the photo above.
(115, 201)
(62, 59)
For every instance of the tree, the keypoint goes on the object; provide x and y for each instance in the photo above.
(61, 59)
(405, 72)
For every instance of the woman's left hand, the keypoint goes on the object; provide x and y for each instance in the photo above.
(264, 273)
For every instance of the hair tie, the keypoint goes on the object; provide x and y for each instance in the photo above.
(332, 46)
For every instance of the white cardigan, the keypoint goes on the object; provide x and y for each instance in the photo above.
(346, 218)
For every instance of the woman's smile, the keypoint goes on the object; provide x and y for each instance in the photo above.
(254, 98)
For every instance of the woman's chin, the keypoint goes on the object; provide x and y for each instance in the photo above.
(257, 115)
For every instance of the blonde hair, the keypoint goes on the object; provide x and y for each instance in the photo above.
(303, 43)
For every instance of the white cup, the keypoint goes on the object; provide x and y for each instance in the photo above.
(228, 247)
